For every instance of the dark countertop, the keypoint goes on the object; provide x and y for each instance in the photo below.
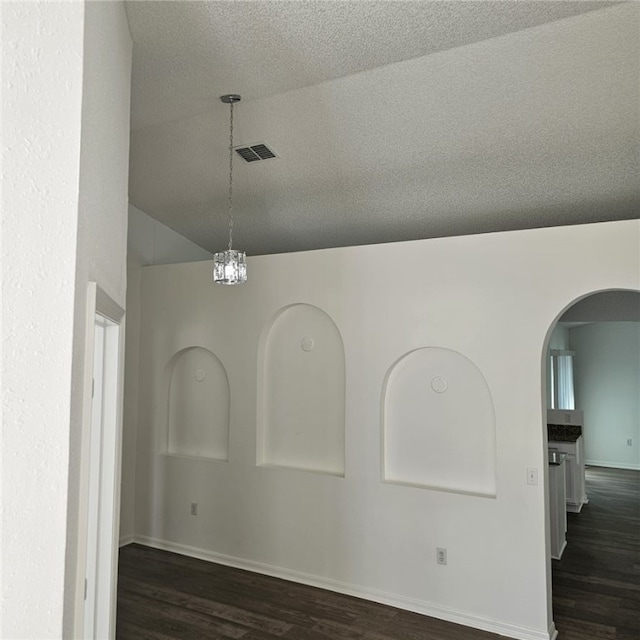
(563, 432)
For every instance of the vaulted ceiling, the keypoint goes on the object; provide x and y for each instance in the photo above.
(391, 120)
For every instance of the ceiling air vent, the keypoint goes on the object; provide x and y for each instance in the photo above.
(255, 152)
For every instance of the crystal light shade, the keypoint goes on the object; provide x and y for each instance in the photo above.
(230, 267)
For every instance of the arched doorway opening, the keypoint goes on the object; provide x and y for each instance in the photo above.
(600, 333)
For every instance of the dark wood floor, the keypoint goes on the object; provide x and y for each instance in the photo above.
(164, 596)
(596, 585)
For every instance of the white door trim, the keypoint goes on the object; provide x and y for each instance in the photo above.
(98, 302)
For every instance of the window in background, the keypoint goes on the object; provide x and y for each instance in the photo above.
(561, 372)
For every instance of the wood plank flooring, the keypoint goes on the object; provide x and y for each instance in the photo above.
(596, 585)
(164, 596)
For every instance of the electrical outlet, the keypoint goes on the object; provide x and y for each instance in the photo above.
(629, 442)
(441, 555)
(532, 476)
(194, 509)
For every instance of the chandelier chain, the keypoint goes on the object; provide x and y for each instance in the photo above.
(230, 266)
(230, 175)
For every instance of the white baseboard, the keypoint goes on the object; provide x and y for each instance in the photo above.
(125, 540)
(575, 508)
(559, 556)
(553, 632)
(612, 465)
(394, 600)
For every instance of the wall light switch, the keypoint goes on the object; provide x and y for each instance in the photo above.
(532, 476)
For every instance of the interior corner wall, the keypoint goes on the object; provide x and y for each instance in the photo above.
(355, 533)
(148, 242)
(559, 338)
(101, 243)
(42, 47)
(130, 405)
(151, 242)
(607, 384)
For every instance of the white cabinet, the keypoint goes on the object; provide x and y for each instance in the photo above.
(574, 472)
(557, 506)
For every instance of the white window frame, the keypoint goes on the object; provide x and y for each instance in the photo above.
(561, 372)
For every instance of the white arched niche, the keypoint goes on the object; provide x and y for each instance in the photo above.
(301, 392)
(438, 424)
(198, 405)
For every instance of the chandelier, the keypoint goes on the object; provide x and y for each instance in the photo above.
(230, 266)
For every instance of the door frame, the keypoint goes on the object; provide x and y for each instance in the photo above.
(99, 302)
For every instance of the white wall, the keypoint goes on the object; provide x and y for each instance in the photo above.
(148, 242)
(355, 533)
(607, 384)
(41, 111)
(151, 242)
(102, 242)
(67, 96)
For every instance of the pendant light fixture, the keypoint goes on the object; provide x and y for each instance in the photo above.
(230, 266)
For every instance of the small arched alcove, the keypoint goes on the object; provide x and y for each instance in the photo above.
(301, 392)
(198, 405)
(438, 424)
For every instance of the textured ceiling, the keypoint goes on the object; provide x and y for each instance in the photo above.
(607, 306)
(392, 120)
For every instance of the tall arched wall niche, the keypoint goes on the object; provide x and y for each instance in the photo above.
(439, 424)
(490, 299)
(301, 392)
